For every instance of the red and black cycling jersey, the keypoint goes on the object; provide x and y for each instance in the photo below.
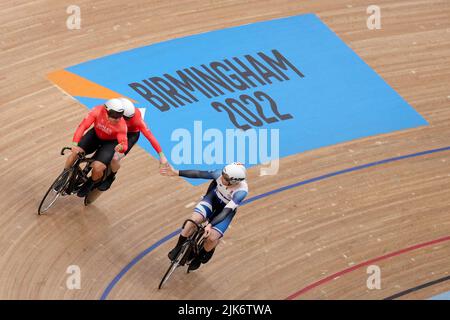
(104, 129)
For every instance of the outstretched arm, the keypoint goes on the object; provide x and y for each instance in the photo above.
(150, 137)
(196, 174)
(153, 141)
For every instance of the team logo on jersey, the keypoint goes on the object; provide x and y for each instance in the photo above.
(104, 128)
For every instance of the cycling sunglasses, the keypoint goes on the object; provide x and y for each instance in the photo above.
(231, 180)
(114, 114)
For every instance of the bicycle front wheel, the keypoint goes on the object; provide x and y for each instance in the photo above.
(55, 191)
(174, 264)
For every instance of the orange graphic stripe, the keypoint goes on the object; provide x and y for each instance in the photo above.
(78, 86)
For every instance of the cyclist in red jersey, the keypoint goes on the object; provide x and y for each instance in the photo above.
(135, 125)
(107, 136)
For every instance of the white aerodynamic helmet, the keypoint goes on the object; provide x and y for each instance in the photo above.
(114, 108)
(234, 172)
(128, 107)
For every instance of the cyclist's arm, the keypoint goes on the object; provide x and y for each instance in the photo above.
(199, 174)
(85, 124)
(238, 197)
(150, 137)
(123, 139)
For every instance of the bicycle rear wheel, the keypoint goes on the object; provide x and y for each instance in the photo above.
(174, 264)
(55, 190)
(92, 196)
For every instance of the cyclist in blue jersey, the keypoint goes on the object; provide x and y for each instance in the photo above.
(226, 192)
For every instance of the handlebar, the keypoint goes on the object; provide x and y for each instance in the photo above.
(81, 155)
(63, 150)
(199, 226)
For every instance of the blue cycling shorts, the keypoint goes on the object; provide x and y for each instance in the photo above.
(211, 206)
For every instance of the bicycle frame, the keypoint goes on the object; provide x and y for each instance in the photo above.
(195, 241)
(77, 172)
(74, 178)
(198, 233)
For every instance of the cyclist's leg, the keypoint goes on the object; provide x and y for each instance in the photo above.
(185, 233)
(201, 212)
(115, 166)
(115, 162)
(98, 169)
(102, 157)
(96, 176)
(88, 144)
(211, 242)
(133, 137)
(189, 228)
(217, 232)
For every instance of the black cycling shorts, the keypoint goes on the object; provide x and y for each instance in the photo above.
(104, 149)
(133, 137)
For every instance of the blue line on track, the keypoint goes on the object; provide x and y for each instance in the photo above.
(263, 195)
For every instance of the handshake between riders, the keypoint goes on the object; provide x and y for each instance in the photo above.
(117, 127)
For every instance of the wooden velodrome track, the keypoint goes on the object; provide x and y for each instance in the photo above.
(277, 246)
